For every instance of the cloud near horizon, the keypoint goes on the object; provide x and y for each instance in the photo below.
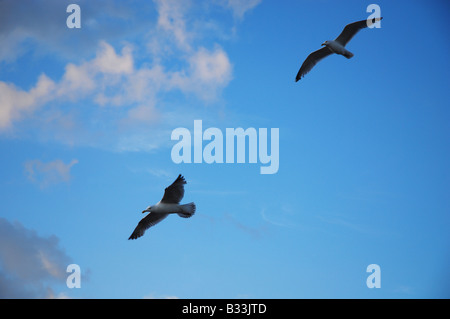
(30, 265)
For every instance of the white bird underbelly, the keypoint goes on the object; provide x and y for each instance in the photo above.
(338, 48)
(165, 208)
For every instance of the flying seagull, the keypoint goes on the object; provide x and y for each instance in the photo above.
(169, 204)
(334, 46)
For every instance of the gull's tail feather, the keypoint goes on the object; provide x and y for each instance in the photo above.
(187, 210)
(348, 54)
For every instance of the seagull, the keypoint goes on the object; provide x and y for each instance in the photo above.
(335, 46)
(169, 204)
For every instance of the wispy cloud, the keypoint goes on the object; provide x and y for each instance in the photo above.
(240, 7)
(30, 26)
(30, 264)
(281, 217)
(46, 174)
(159, 172)
(255, 232)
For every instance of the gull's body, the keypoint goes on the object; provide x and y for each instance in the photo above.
(169, 204)
(164, 208)
(338, 48)
(334, 46)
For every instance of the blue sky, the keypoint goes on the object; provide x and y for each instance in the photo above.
(86, 117)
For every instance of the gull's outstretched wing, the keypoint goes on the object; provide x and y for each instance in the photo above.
(351, 29)
(145, 223)
(311, 61)
(175, 192)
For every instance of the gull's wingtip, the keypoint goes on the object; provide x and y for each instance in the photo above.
(373, 21)
(133, 236)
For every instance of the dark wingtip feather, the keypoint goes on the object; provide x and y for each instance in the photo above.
(133, 236)
(375, 20)
(181, 177)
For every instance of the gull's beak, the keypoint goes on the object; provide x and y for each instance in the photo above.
(323, 43)
(147, 209)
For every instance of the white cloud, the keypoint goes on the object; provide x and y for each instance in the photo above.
(211, 66)
(111, 79)
(29, 264)
(77, 81)
(46, 174)
(16, 103)
(94, 77)
(208, 73)
(103, 72)
(171, 18)
(123, 89)
(108, 62)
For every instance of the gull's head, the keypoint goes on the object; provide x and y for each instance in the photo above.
(147, 210)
